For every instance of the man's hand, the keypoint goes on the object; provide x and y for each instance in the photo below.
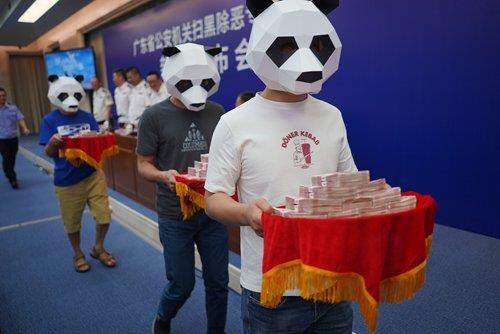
(168, 177)
(53, 146)
(25, 131)
(56, 140)
(253, 213)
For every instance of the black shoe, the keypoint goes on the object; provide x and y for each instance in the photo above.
(160, 326)
(14, 184)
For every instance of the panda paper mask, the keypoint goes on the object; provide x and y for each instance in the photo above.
(190, 73)
(293, 46)
(66, 93)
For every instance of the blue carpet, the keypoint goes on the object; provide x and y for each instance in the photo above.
(461, 294)
(34, 199)
(31, 144)
(41, 293)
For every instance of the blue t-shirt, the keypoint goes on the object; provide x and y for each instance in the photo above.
(65, 174)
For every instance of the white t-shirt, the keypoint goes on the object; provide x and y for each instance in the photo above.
(138, 99)
(101, 100)
(157, 97)
(122, 96)
(267, 149)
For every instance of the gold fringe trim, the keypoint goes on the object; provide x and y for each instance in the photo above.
(75, 156)
(196, 200)
(403, 287)
(326, 286)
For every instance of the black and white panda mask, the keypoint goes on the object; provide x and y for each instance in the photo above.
(66, 93)
(190, 73)
(293, 45)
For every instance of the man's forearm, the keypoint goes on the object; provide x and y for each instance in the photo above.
(22, 124)
(149, 171)
(226, 210)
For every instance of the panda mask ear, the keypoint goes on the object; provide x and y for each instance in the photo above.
(170, 51)
(326, 6)
(213, 50)
(79, 78)
(256, 7)
(53, 78)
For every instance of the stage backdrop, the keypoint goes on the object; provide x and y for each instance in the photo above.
(418, 86)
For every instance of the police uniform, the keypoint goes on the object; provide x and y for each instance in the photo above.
(157, 97)
(138, 100)
(101, 101)
(122, 100)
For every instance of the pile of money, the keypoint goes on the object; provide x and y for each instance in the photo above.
(199, 171)
(346, 195)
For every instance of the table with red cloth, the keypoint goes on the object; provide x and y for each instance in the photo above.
(366, 259)
(91, 149)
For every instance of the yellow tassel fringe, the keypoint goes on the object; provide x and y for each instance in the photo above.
(326, 286)
(76, 156)
(197, 200)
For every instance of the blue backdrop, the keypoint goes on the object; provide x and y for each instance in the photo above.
(418, 85)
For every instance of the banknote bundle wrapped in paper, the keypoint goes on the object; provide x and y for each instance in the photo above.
(346, 195)
(199, 171)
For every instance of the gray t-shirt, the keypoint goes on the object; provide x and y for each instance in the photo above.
(176, 138)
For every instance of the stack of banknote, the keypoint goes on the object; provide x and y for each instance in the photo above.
(346, 195)
(199, 171)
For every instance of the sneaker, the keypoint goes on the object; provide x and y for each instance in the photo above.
(14, 184)
(160, 326)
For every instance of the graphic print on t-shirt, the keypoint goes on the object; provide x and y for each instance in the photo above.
(195, 141)
(301, 144)
(73, 129)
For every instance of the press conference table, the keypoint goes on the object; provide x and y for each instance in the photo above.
(123, 177)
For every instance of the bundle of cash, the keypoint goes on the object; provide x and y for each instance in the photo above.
(346, 195)
(199, 171)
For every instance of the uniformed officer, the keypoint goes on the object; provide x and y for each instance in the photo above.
(101, 102)
(122, 95)
(138, 95)
(157, 89)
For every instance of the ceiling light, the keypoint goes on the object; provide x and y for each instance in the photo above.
(36, 10)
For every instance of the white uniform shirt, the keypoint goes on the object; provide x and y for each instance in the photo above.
(101, 100)
(138, 100)
(157, 97)
(122, 100)
(267, 149)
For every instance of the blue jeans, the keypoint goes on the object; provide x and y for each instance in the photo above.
(178, 239)
(294, 315)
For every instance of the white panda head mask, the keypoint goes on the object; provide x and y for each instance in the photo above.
(66, 93)
(293, 45)
(190, 73)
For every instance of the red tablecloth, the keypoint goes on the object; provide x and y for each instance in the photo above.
(368, 259)
(89, 149)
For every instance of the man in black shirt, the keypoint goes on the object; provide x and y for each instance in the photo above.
(172, 135)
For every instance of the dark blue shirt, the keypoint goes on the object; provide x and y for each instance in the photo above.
(65, 174)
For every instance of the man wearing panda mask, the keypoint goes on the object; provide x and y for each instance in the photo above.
(269, 146)
(172, 136)
(75, 186)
